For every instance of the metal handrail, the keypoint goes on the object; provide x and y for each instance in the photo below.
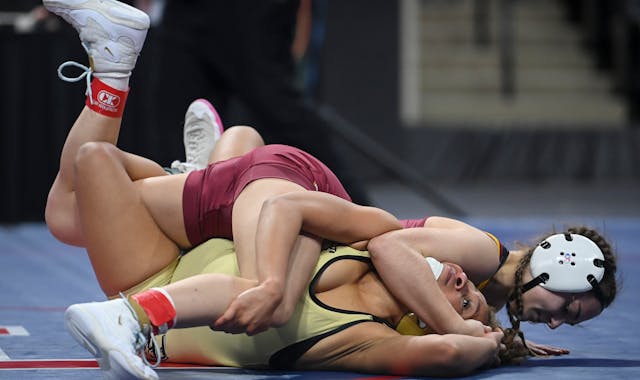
(506, 42)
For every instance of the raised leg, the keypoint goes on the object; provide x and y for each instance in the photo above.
(102, 197)
(112, 33)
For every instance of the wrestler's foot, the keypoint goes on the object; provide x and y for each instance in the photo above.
(202, 129)
(111, 32)
(110, 331)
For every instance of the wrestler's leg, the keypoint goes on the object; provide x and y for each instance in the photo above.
(114, 331)
(201, 299)
(125, 242)
(61, 213)
(113, 34)
(235, 142)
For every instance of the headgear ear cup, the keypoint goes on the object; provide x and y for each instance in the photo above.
(436, 267)
(567, 263)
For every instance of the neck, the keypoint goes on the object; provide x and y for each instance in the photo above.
(503, 282)
(506, 275)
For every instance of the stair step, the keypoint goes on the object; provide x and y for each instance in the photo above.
(525, 56)
(556, 82)
(526, 109)
(525, 31)
(526, 79)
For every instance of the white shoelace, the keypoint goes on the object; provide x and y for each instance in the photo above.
(86, 73)
(141, 340)
(194, 144)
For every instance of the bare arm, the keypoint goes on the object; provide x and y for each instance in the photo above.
(399, 259)
(377, 349)
(282, 219)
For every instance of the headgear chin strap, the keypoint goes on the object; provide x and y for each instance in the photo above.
(567, 263)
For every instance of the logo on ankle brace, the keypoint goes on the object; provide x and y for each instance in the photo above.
(108, 99)
(105, 99)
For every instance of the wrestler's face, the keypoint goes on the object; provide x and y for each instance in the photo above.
(554, 309)
(465, 298)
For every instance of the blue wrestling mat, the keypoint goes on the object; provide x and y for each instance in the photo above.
(41, 277)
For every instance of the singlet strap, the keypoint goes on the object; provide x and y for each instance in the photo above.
(503, 254)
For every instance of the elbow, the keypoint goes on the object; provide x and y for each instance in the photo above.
(381, 246)
(279, 205)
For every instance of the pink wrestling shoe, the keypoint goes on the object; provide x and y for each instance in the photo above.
(111, 333)
(202, 129)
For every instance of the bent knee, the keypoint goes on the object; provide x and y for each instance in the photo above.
(245, 133)
(92, 155)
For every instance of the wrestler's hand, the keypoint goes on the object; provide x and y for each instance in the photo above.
(360, 245)
(496, 337)
(545, 350)
(471, 327)
(250, 312)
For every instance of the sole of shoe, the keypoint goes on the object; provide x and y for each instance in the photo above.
(114, 11)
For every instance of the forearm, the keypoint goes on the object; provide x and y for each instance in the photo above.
(454, 355)
(278, 229)
(302, 263)
(473, 352)
(410, 279)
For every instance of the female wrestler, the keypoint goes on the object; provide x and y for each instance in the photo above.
(153, 216)
(344, 321)
(566, 278)
(501, 274)
(129, 218)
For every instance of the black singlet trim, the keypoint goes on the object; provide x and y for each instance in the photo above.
(316, 278)
(504, 253)
(287, 357)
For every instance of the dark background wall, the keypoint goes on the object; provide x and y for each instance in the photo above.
(359, 81)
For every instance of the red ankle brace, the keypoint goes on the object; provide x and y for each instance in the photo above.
(105, 99)
(159, 308)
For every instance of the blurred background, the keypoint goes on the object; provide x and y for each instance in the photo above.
(464, 107)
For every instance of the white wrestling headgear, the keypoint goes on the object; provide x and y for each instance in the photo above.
(436, 266)
(566, 263)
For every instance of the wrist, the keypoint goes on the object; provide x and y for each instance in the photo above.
(274, 287)
(455, 325)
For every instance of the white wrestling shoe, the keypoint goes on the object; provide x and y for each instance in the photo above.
(111, 32)
(202, 129)
(110, 331)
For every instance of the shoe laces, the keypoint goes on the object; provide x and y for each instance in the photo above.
(194, 144)
(140, 343)
(87, 72)
(183, 167)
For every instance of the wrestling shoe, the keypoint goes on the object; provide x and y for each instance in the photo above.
(110, 331)
(202, 130)
(111, 32)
